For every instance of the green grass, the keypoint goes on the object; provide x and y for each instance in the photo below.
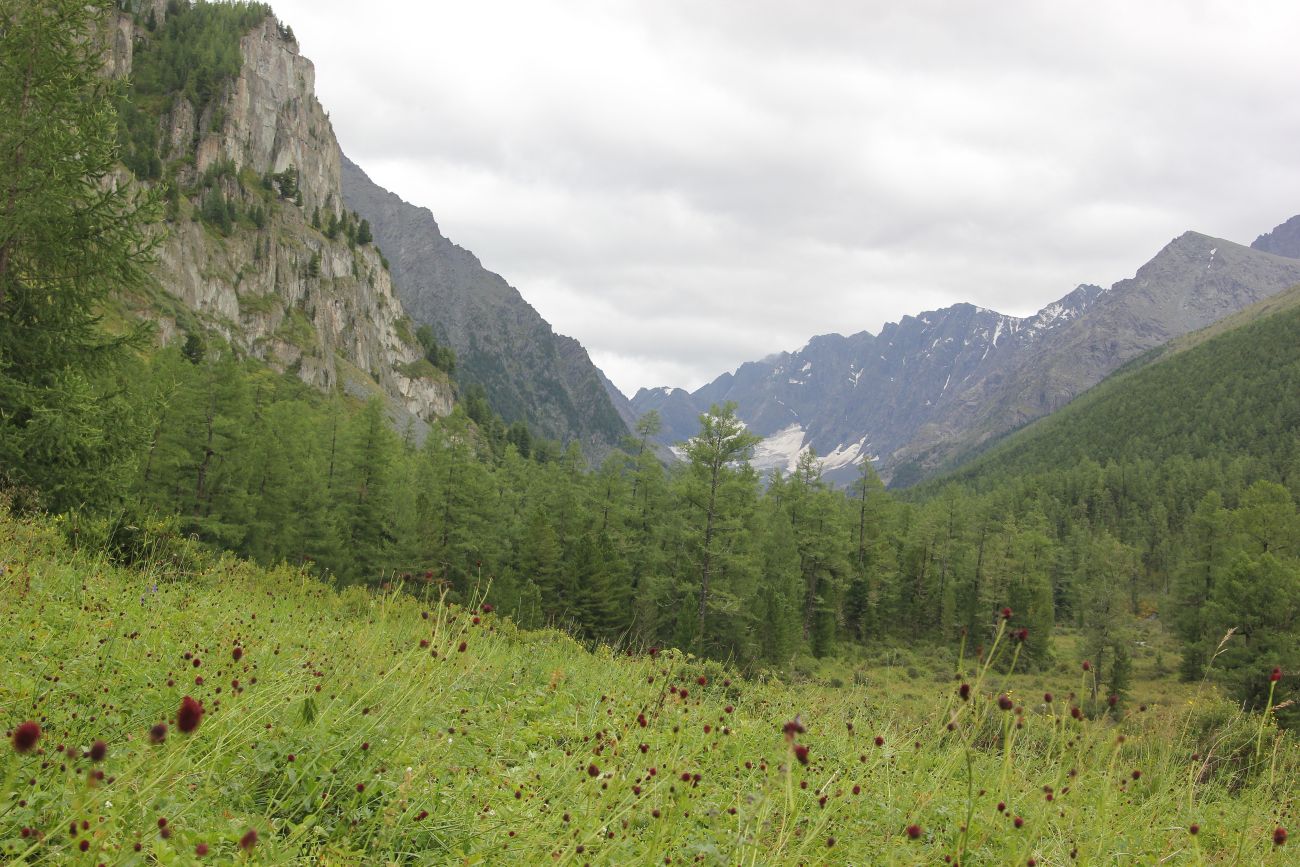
(525, 748)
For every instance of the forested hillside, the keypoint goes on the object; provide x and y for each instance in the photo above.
(1168, 493)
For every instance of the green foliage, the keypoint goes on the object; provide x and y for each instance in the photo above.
(370, 727)
(441, 357)
(194, 56)
(69, 241)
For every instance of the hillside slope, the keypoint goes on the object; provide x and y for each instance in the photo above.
(1226, 392)
(529, 372)
(229, 713)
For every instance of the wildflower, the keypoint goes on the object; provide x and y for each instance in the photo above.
(1275, 676)
(201, 850)
(189, 715)
(801, 753)
(237, 653)
(461, 647)
(98, 750)
(486, 608)
(26, 736)
(1005, 702)
(1047, 698)
(880, 740)
(964, 691)
(1087, 665)
(592, 770)
(1279, 836)
(1112, 699)
(914, 831)
(249, 840)
(1194, 829)
(1018, 822)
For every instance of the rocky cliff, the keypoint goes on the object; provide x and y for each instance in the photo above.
(259, 247)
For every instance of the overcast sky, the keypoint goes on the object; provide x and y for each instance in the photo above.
(685, 185)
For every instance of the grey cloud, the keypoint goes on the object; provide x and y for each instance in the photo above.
(684, 186)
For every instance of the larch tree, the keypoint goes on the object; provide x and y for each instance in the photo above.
(71, 236)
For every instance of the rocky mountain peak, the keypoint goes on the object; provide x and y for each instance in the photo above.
(1284, 240)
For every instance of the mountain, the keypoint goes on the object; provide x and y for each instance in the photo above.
(1229, 394)
(259, 252)
(1282, 241)
(502, 343)
(932, 387)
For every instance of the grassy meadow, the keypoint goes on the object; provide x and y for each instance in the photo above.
(350, 727)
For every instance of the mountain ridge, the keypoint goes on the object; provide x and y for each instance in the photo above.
(933, 385)
(529, 372)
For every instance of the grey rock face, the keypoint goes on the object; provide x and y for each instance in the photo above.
(1282, 241)
(529, 372)
(930, 387)
(285, 293)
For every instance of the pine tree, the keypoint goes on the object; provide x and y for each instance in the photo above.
(719, 486)
(69, 239)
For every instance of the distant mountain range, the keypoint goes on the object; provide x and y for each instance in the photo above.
(930, 388)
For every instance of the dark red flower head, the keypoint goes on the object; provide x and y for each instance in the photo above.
(237, 653)
(249, 840)
(98, 750)
(1087, 666)
(26, 736)
(158, 733)
(1005, 702)
(1279, 835)
(964, 691)
(486, 608)
(914, 831)
(1275, 676)
(189, 715)
(1022, 635)
(1006, 613)
(702, 680)
(794, 727)
(801, 753)
(1112, 699)
(593, 771)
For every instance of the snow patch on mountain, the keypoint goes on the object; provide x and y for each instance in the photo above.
(843, 455)
(779, 450)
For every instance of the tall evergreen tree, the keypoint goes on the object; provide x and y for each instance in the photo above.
(719, 487)
(69, 239)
